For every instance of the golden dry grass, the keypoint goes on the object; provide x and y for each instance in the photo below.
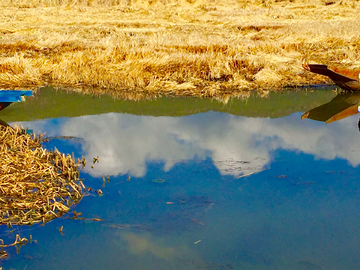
(205, 48)
(36, 185)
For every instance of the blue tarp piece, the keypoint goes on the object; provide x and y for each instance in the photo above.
(13, 95)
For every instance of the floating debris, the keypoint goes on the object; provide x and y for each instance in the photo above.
(197, 221)
(86, 219)
(248, 174)
(61, 230)
(17, 243)
(83, 162)
(96, 160)
(158, 180)
(36, 185)
(104, 181)
(76, 216)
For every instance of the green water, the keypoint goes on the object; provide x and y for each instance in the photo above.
(50, 103)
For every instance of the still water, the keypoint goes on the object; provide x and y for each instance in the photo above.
(196, 184)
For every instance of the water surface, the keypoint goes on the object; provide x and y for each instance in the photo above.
(196, 184)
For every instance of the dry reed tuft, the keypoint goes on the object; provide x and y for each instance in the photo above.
(36, 185)
(143, 48)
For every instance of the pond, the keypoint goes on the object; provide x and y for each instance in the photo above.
(198, 184)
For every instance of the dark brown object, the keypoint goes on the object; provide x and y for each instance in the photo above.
(340, 107)
(345, 78)
(3, 105)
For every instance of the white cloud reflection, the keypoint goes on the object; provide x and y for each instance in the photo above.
(237, 145)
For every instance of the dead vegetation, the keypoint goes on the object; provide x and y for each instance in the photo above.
(205, 48)
(36, 185)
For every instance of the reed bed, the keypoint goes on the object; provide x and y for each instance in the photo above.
(36, 185)
(144, 48)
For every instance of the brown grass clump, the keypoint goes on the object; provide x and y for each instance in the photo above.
(36, 185)
(205, 48)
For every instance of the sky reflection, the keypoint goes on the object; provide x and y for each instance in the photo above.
(237, 145)
(296, 211)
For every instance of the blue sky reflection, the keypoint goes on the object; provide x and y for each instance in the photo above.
(237, 145)
(299, 210)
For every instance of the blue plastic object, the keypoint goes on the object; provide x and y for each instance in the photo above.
(13, 95)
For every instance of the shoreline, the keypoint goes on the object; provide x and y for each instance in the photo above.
(207, 49)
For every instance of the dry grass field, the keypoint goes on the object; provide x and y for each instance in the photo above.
(143, 48)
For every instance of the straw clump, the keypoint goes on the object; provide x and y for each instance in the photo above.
(203, 48)
(36, 185)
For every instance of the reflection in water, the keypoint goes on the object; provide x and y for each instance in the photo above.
(237, 145)
(139, 244)
(3, 123)
(238, 193)
(340, 107)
